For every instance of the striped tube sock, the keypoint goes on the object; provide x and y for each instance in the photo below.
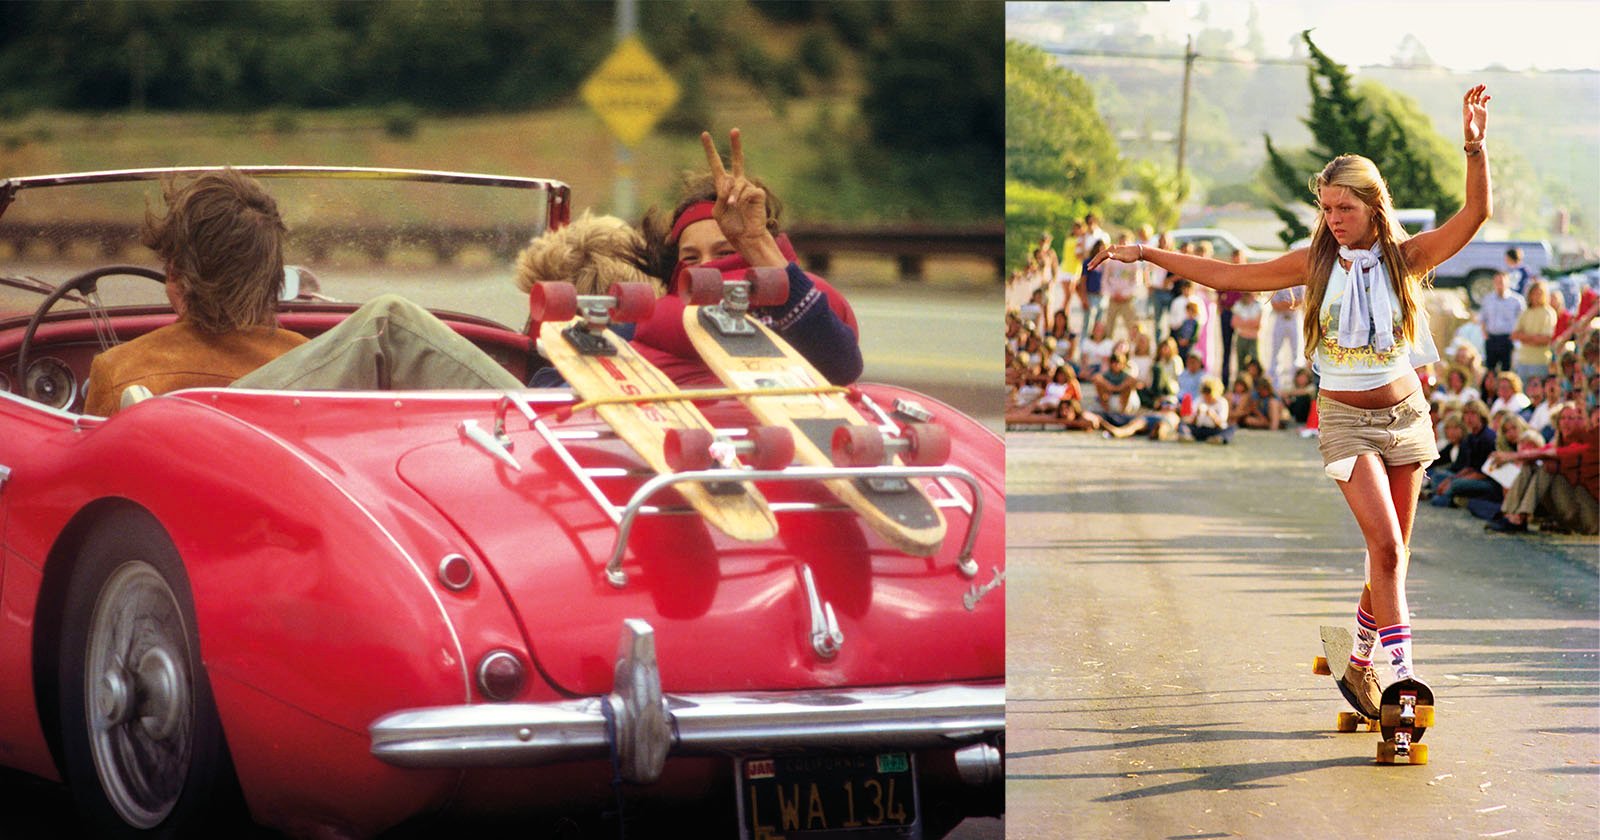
(1366, 637)
(1396, 641)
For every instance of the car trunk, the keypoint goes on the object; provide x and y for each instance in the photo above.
(728, 615)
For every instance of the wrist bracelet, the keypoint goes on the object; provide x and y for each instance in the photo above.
(1141, 251)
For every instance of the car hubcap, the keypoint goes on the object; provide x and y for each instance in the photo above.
(140, 694)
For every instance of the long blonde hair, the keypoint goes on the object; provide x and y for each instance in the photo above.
(1360, 176)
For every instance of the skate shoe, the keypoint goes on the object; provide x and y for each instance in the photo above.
(1360, 687)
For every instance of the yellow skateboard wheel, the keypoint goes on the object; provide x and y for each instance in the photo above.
(1320, 666)
(1419, 754)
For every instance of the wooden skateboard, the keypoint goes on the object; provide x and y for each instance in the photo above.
(1336, 647)
(646, 410)
(828, 431)
(1406, 713)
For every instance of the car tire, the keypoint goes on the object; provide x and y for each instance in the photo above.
(1480, 284)
(141, 742)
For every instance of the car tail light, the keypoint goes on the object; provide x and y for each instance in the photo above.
(500, 675)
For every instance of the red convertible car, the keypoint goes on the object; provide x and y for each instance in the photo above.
(343, 612)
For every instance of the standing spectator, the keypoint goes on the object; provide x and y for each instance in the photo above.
(1247, 329)
(1498, 314)
(1121, 282)
(1516, 271)
(1159, 281)
(1089, 290)
(1534, 329)
(1286, 305)
(1187, 333)
(1226, 301)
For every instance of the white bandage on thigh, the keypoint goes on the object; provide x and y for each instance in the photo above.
(1341, 469)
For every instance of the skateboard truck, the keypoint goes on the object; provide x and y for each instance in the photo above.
(725, 303)
(766, 448)
(625, 303)
(912, 411)
(921, 444)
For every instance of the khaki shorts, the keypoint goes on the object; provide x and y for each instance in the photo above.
(1400, 434)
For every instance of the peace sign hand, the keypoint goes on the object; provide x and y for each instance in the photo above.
(741, 208)
(1474, 114)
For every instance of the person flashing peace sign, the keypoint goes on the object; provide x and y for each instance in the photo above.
(1366, 333)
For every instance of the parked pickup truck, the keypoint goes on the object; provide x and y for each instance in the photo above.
(1474, 266)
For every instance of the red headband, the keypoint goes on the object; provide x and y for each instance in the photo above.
(696, 212)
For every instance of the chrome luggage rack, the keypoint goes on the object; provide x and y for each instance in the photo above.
(624, 513)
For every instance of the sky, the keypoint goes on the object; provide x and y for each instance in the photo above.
(1458, 34)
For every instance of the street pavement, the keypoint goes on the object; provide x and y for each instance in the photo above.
(1163, 601)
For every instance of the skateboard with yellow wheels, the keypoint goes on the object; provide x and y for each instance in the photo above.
(646, 410)
(1406, 713)
(1336, 647)
(747, 356)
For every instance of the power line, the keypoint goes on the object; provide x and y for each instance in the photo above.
(1299, 62)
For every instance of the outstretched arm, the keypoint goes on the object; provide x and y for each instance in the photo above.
(1428, 249)
(1280, 273)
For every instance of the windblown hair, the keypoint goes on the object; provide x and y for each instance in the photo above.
(592, 253)
(661, 253)
(1360, 176)
(221, 240)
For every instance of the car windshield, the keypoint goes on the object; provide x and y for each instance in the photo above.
(444, 240)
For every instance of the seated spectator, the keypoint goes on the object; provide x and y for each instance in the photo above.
(1162, 381)
(1069, 410)
(1096, 351)
(1508, 393)
(1239, 397)
(1116, 390)
(1545, 395)
(1467, 468)
(1210, 418)
(1141, 354)
(1455, 431)
(1160, 424)
(1559, 481)
(1262, 409)
(1454, 391)
(1301, 395)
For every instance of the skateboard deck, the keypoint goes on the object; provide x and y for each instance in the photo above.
(1406, 713)
(756, 359)
(741, 512)
(1337, 645)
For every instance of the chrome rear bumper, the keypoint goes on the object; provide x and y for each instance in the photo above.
(645, 726)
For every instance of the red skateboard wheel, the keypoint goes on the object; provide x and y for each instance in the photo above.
(858, 446)
(687, 449)
(773, 447)
(928, 444)
(552, 302)
(635, 302)
(704, 286)
(768, 286)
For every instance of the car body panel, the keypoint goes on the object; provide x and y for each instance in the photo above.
(311, 527)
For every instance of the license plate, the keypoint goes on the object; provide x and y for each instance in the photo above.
(819, 795)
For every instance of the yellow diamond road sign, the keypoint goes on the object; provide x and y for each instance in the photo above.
(630, 91)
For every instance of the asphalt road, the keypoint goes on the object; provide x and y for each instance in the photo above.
(1163, 603)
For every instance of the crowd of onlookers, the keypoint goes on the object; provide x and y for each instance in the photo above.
(1129, 349)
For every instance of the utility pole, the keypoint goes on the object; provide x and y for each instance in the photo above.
(622, 199)
(1189, 56)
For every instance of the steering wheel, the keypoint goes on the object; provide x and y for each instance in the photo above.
(87, 285)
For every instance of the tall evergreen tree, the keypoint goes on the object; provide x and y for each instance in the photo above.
(1345, 121)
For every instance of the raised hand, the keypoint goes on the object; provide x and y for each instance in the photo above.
(1120, 253)
(1474, 114)
(741, 208)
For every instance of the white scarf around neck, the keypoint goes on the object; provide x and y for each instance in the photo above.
(1367, 316)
